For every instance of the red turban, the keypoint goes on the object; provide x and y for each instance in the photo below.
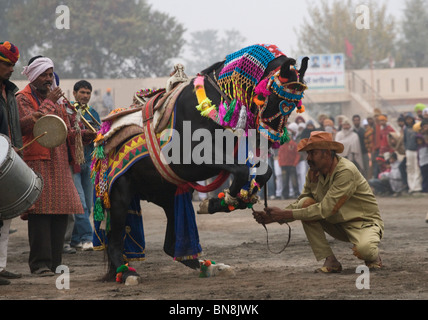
(8, 52)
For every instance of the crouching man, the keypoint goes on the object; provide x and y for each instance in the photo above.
(336, 199)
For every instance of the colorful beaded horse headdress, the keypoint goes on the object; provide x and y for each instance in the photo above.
(241, 80)
(244, 69)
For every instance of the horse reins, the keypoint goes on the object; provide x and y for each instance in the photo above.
(267, 232)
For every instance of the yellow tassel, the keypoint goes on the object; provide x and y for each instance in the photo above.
(97, 190)
(106, 200)
(99, 137)
(206, 112)
(204, 104)
(200, 95)
(97, 166)
(80, 156)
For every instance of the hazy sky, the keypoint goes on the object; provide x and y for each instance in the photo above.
(259, 21)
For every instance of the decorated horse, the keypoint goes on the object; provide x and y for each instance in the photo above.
(196, 129)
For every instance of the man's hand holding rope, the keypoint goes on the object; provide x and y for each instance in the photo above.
(273, 214)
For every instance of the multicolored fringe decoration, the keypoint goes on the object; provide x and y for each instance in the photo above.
(244, 69)
(204, 271)
(120, 270)
(99, 174)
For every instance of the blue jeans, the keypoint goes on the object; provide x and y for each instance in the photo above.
(82, 231)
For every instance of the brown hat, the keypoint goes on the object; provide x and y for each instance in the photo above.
(320, 140)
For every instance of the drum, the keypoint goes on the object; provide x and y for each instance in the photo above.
(20, 186)
(55, 128)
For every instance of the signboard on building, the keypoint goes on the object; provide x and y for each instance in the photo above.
(325, 71)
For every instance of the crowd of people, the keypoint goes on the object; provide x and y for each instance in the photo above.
(393, 157)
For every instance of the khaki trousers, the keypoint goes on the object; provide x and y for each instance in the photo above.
(365, 237)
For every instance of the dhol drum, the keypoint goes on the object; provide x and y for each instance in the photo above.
(55, 129)
(20, 186)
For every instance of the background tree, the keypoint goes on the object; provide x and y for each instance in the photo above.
(413, 45)
(207, 47)
(106, 39)
(332, 28)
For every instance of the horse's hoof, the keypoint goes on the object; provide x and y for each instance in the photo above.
(212, 269)
(203, 207)
(132, 280)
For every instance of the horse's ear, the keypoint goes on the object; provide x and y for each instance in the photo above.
(303, 68)
(285, 72)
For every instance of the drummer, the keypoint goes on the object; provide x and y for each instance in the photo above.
(9, 126)
(48, 220)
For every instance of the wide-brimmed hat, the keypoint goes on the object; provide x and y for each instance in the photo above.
(320, 140)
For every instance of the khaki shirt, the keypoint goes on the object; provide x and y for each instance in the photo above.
(342, 196)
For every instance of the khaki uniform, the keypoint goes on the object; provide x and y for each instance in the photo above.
(345, 208)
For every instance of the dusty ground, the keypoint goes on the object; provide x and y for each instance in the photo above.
(237, 240)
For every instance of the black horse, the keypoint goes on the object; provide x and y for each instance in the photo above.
(144, 180)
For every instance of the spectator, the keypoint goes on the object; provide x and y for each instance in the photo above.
(108, 101)
(328, 125)
(321, 119)
(419, 109)
(97, 104)
(339, 121)
(390, 180)
(302, 167)
(299, 119)
(278, 176)
(424, 129)
(423, 160)
(351, 143)
(288, 158)
(385, 129)
(369, 144)
(401, 124)
(301, 127)
(425, 114)
(380, 185)
(310, 126)
(359, 130)
(394, 176)
(396, 142)
(414, 177)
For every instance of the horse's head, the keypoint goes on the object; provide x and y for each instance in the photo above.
(277, 96)
(262, 87)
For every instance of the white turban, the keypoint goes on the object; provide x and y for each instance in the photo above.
(37, 67)
(293, 127)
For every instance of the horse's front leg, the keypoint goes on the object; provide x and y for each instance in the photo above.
(228, 200)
